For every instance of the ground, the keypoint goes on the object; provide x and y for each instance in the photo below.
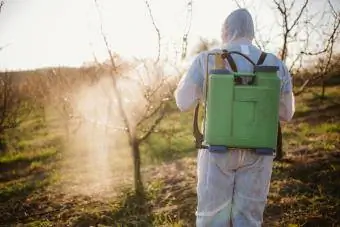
(36, 189)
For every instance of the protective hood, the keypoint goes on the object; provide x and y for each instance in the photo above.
(238, 25)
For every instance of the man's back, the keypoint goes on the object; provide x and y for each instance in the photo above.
(243, 65)
(190, 88)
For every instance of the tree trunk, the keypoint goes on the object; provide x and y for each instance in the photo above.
(323, 89)
(3, 145)
(138, 183)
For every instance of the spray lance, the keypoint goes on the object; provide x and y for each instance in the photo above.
(241, 110)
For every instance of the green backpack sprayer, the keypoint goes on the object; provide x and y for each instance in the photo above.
(241, 110)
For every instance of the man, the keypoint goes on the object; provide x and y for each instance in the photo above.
(232, 187)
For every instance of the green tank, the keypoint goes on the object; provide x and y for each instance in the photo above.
(242, 115)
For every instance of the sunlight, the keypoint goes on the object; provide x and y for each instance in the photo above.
(39, 33)
(68, 32)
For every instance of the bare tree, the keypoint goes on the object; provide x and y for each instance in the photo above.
(327, 28)
(130, 133)
(288, 23)
(60, 87)
(15, 105)
(325, 54)
(298, 24)
(156, 98)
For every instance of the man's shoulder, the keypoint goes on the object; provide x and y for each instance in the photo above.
(273, 57)
(269, 55)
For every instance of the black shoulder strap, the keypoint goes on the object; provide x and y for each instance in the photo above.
(231, 62)
(261, 58)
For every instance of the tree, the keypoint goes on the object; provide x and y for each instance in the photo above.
(324, 24)
(324, 55)
(15, 104)
(156, 92)
(289, 23)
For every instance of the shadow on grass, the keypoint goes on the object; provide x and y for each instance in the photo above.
(310, 193)
(21, 179)
(305, 184)
(319, 115)
(15, 204)
(19, 190)
(317, 104)
(167, 201)
(23, 166)
(130, 210)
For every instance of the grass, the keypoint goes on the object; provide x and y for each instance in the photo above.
(304, 188)
(27, 156)
(172, 140)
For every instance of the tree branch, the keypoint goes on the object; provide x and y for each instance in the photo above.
(299, 15)
(114, 81)
(156, 28)
(329, 41)
(149, 115)
(187, 29)
(152, 128)
(2, 3)
(323, 72)
(239, 5)
(335, 13)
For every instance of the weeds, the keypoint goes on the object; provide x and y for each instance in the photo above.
(304, 189)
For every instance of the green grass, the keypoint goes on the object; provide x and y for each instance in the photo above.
(172, 139)
(29, 156)
(45, 223)
(304, 188)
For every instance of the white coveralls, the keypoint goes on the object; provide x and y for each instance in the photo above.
(232, 187)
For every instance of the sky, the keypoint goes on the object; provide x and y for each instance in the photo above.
(42, 33)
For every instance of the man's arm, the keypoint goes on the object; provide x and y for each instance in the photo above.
(287, 100)
(189, 89)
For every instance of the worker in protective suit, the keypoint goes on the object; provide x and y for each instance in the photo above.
(232, 187)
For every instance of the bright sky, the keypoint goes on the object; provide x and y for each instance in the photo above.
(39, 33)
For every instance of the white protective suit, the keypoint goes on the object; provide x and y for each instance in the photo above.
(233, 186)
